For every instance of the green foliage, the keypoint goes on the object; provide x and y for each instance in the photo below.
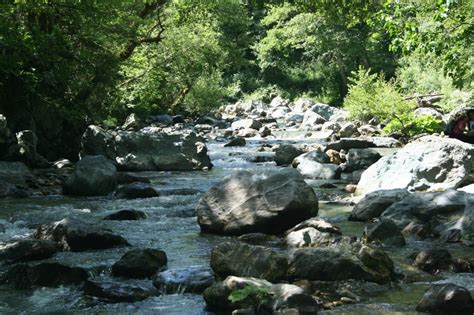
(414, 125)
(370, 96)
(256, 295)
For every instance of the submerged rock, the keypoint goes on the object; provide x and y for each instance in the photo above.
(446, 299)
(24, 276)
(76, 235)
(27, 250)
(140, 263)
(184, 280)
(428, 164)
(113, 291)
(243, 260)
(269, 201)
(93, 176)
(137, 190)
(236, 142)
(124, 215)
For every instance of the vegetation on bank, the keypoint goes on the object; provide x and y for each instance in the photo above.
(65, 64)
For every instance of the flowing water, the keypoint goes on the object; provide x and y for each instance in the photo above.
(171, 226)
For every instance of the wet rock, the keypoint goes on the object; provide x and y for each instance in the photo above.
(164, 120)
(285, 154)
(419, 230)
(26, 250)
(342, 262)
(137, 190)
(178, 119)
(349, 143)
(265, 132)
(133, 122)
(24, 276)
(259, 239)
(63, 163)
(206, 120)
(113, 291)
(268, 201)
(428, 164)
(180, 192)
(247, 124)
(243, 260)
(140, 263)
(357, 159)
(446, 299)
(375, 203)
(386, 232)
(184, 280)
(76, 235)
(336, 157)
(433, 260)
(128, 178)
(236, 142)
(93, 176)
(126, 215)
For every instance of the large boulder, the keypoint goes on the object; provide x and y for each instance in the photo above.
(386, 232)
(311, 120)
(342, 262)
(243, 260)
(315, 165)
(375, 203)
(269, 201)
(349, 143)
(446, 299)
(93, 175)
(428, 164)
(112, 290)
(76, 235)
(140, 263)
(449, 214)
(149, 149)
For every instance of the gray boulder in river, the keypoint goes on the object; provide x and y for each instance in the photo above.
(149, 149)
(430, 163)
(93, 176)
(269, 201)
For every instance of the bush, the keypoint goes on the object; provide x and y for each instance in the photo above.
(370, 96)
(414, 125)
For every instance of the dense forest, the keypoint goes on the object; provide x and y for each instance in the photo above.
(67, 64)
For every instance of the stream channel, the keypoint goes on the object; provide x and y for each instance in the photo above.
(171, 226)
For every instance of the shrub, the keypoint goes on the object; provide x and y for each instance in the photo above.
(414, 125)
(370, 96)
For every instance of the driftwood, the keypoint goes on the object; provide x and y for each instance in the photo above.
(427, 100)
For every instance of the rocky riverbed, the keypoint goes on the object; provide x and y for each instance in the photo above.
(281, 208)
